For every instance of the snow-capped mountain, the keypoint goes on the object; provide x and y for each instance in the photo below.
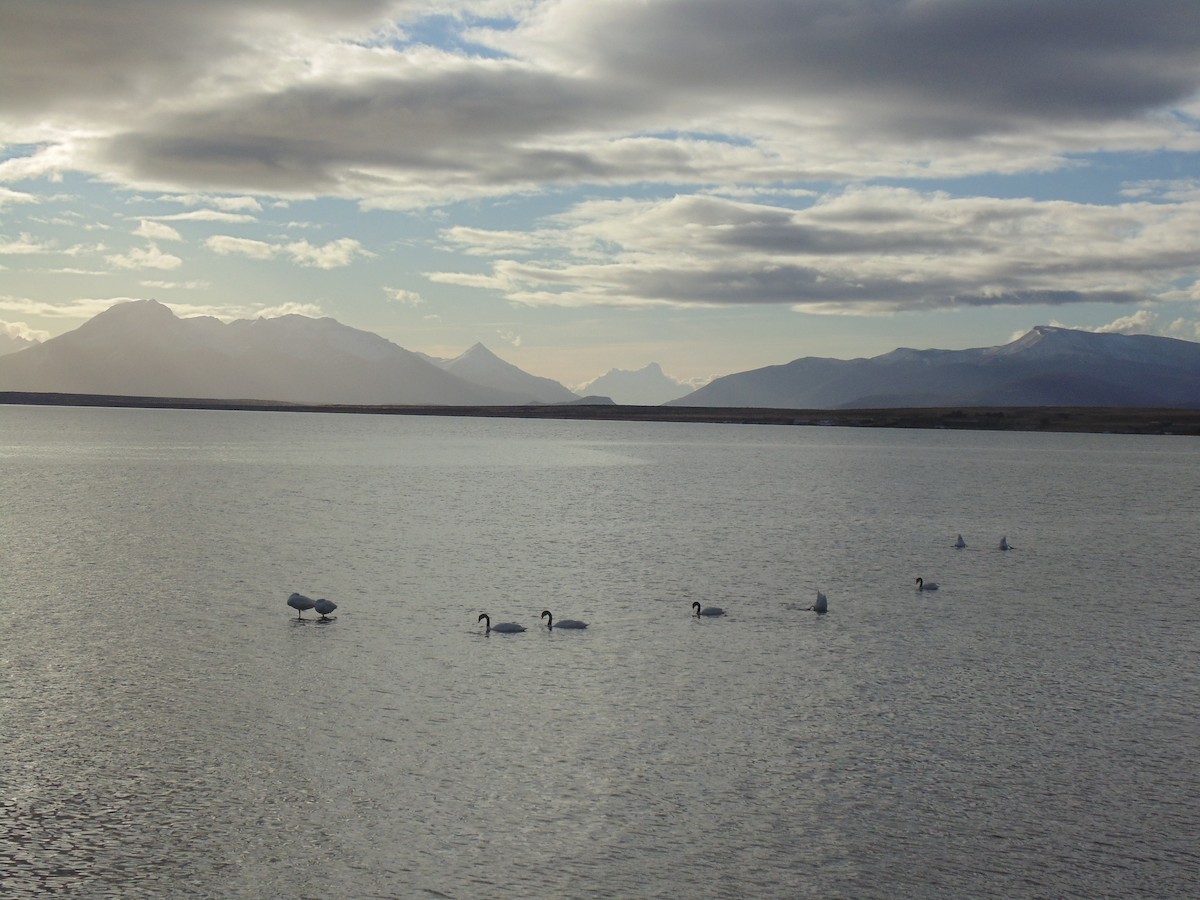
(647, 386)
(1049, 366)
(481, 366)
(141, 348)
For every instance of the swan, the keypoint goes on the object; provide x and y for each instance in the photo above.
(1004, 544)
(562, 623)
(502, 627)
(300, 603)
(822, 604)
(325, 608)
(707, 611)
(923, 585)
(960, 543)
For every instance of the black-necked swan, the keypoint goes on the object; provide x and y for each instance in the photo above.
(562, 623)
(960, 543)
(923, 585)
(325, 608)
(707, 610)
(502, 627)
(300, 603)
(1004, 545)
(822, 604)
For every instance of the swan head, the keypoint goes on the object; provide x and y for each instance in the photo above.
(484, 617)
(696, 606)
(920, 582)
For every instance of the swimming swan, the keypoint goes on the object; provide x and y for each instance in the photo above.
(1004, 544)
(300, 603)
(502, 627)
(707, 611)
(325, 608)
(563, 623)
(923, 585)
(822, 604)
(960, 543)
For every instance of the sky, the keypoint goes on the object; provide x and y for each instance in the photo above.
(585, 185)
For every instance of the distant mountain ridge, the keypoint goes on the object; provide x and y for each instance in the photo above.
(647, 386)
(1049, 366)
(481, 366)
(140, 348)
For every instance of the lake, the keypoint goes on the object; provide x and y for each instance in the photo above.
(170, 728)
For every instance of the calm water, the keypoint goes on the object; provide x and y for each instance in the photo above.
(168, 728)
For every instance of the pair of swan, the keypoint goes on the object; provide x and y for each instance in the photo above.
(301, 604)
(514, 628)
(821, 606)
(1004, 544)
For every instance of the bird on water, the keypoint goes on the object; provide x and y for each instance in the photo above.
(561, 623)
(502, 627)
(707, 610)
(300, 604)
(822, 604)
(325, 608)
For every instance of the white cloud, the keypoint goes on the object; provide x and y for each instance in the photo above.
(311, 310)
(20, 331)
(400, 295)
(177, 285)
(335, 254)
(149, 257)
(204, 215)
(25, 245)
(861, 251)
(156, 231)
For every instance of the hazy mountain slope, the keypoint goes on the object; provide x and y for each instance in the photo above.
(481, 366)
(647, 386)
(1046, 367)
(142, 348)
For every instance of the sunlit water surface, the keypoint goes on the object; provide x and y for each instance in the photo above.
(169, 729)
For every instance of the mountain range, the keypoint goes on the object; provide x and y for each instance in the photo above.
(1048, 366)
(141, 348)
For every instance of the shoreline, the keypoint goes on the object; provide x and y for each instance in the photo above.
(1073, 419)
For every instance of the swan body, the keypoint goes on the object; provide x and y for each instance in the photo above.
(300, 603)
(707, 610)
(822, 604)
(1004, 545)
(960, 543)
(325, 607)
(923, 585)
(562, 623)
(502, 627)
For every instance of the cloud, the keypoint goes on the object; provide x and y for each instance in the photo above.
(9, 197)
(20, 332)
(204, 215)
(177, 285)
(149, 257)
(156, 231)
(860, 251)
(295, 100)
(311, 310)
(24, 245)
(335, 254)
(408, 298)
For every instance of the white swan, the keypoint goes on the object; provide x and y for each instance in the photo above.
(923, 585)
(1004, 545)
(822, 604)
(300, 603)
(707, 611)
(960, 543)
(325, 608)
(502, 627)
(562, 623)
